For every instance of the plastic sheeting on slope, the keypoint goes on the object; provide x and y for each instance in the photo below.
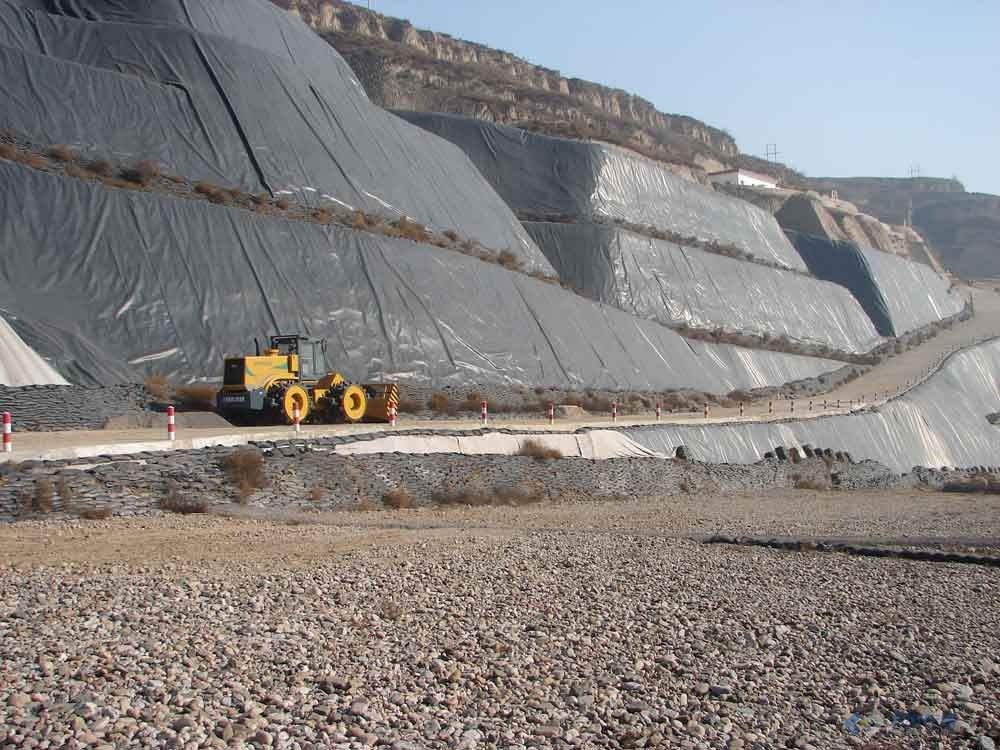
(235, 92)
(544, 177)
(899, 295)
(940, 423)
(673, 284)
(170, 285)
(20, 365)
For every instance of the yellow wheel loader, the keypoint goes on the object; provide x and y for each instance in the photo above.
(290, 377)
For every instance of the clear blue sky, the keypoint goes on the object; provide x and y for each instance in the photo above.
(843, 89)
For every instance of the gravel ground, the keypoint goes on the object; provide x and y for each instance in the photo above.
(570, 625)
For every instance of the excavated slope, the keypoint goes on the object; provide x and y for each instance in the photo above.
(237, 93)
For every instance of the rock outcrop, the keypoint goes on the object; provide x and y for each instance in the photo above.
(403, 67)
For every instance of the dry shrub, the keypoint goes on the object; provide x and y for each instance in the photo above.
(32, 160)
(479, 497)
(596, 404)
(42, 499)
(95, 513)
(62, 153)
(410, 406)
(234, 192)
(509, 260)
(398, 498)
(8, 151)
(412, 230)
(159, 387)
(101, 167)
(538, 451)
(282, 203)
(316, 495)
(451, 234)
(175, 502)
(198, 396)
(245, 469)
(472, 402)
(141, 173)
(261, 199)
(439, 403)
(74, 170)
(322, 215)
(67, 495)
(206, 188)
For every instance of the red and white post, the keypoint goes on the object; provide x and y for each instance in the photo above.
(552, 413)
(706, 411)
(659, 411)
(770, 407)
(484, 414)
(614, 411)
(741, 409)
(8, 429)
(171, 424)
(392, 416)
(296, 418)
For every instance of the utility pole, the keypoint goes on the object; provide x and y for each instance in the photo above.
(915, 170)
(772, 153)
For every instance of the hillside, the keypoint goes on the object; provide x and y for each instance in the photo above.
(963, 227)
(402, 67)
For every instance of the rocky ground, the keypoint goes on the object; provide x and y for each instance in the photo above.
(561, 625)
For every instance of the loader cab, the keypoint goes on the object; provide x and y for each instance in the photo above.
(311, 354)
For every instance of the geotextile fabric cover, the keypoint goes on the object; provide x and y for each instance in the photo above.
(899, 294)
(674, 284)
(939, 423)
(543, 178)
(107, 283)
(236, 93)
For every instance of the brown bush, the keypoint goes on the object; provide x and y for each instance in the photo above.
(67, 495)
(439, 403)
(32, 160)
(101, 167)
(282, 203)
(175, 502)
(8, 151)
(410, 406)
(42, 499)
(536, 450)
(95, 513)
(221, 198)
(62, 153)
(206, 188)
(197, 396)
(597, 404)
(261, 199)
(412, 230)
(398, 498)
(141, 173)
(322, 215)
(159, 387)
(74, 170)
(451, 234)
(316, 495)
(245, 469)
(480, 497)
(509, 260)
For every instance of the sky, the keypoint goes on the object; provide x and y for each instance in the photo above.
(842, 88)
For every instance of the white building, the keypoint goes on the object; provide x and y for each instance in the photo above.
(743, 177)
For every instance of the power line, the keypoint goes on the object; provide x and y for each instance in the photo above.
(772, 152)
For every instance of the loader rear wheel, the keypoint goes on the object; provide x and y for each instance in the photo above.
(295, 396)
(353, 403)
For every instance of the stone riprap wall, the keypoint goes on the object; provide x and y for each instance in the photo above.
(49, 408)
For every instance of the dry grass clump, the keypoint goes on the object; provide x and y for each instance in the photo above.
(411, 230)
(41, 501)
(95, 513)
(282, 203)
(410, 406)
(175, 502)
(398, 498)
(498, 496)
(538, 451)
(509, 260)
(67, 495)
(101, 167)
(141, 173)
(245, 469)
(316, 495)
(8, 151)
(439, 403)
(62, 153)
(198, 396)
(32, 160)
(159, 387)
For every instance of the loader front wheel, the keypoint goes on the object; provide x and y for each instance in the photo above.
(295, 396)
(353, 403)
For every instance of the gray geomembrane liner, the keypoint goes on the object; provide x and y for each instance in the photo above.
(155, 284)
(237, 93)
(899, 294)
(674, 284)
(939, 423)
(557, 178)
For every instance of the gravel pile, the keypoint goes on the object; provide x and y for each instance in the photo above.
(546, 639)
